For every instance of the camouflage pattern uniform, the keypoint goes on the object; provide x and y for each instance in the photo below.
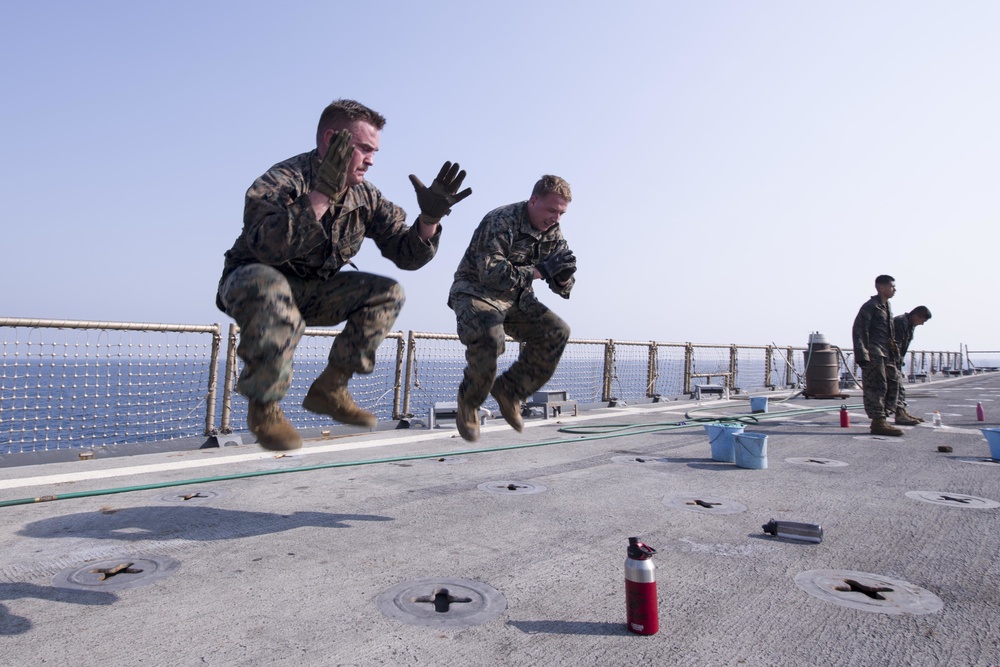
(492, 295)
(903, 335)
(875, 352)
(284, 272)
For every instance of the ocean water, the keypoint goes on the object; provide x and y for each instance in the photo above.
(54, 404)
(51, 404)
(57, 405)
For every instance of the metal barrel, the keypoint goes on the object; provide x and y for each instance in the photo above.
(822, 371)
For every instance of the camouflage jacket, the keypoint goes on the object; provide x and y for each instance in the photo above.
(499, 264)
(902, 333)
(280, 228)
(873, 332)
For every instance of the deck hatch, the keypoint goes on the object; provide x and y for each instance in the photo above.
(117, 574)
(442, 603)
(511, 488)
(704, 504)
(640, 460)
(953, 499)
(868, 592)
(192, 496)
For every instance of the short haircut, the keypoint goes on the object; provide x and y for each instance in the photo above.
(884, 280)
(549, 184)
(921, 311)
(344, 112)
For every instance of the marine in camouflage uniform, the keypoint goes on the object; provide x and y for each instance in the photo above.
(286, 269)
(493, 296)
(903, 326)
(875, 352)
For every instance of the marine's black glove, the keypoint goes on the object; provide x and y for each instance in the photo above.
(436, 201)
(332, 176)
(558, 267)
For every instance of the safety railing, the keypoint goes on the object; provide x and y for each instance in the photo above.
(371, 391)
(73, 384)
(69, 383)
(982, 360)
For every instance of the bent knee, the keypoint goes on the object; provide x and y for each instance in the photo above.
(396, 293)
(490, 340)
(560, 331)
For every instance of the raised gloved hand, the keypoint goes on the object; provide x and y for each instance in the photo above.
(559, 266)
(332, 176)
(436, 201)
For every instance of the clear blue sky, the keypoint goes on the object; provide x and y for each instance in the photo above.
(741, 170)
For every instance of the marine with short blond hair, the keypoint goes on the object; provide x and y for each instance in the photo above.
(493, 296)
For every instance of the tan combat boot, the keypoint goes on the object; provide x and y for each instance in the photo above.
(467, 421)
(904, 418)
(328, 395)
(881, 427)
(510, 407)
(913, 416)
(268, 423)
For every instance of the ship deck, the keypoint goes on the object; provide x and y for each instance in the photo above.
(333, 555)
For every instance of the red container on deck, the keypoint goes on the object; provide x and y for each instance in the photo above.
(641, 604)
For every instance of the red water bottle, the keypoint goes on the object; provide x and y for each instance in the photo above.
(980, 413)
(641, 605)
(845, 417)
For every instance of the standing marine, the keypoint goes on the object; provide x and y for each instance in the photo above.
(875, 352)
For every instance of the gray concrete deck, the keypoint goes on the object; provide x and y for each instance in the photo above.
(288, 569)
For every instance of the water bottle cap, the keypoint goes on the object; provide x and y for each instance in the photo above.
(639, 551)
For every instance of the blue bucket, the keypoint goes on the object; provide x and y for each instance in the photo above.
(993, 439)
(758, 404)
(720, 437)
(750, 450)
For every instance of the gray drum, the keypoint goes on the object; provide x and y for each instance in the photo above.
(822, 369)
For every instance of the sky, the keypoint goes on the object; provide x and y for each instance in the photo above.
(741, 171)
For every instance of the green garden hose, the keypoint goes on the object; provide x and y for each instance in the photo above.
(589, 433)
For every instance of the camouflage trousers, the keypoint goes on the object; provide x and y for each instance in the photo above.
(273, 309)
(881, 388)
(482, 329)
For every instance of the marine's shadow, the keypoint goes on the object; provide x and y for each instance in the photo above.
(10, 624)
(188, 523)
